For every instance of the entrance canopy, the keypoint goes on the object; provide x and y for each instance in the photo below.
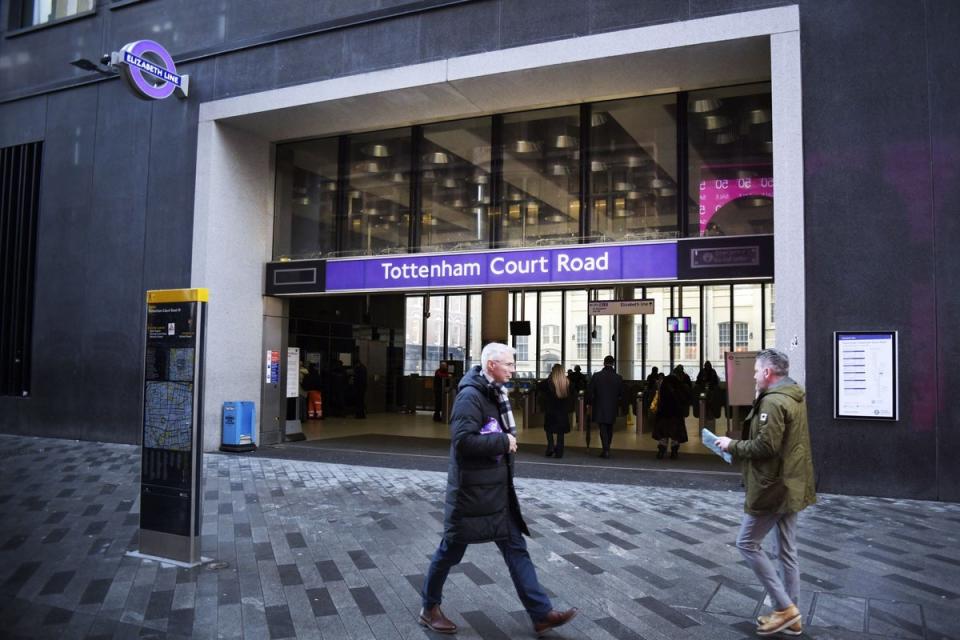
(233, 212)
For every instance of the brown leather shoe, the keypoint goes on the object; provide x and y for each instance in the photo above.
(434, 620)
(553, 620)
(779, 621)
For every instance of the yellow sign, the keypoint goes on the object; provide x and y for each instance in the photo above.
(178, 295)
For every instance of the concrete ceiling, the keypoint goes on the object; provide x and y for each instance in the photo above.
(460, 88)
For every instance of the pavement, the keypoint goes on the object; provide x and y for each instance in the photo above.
(317, 549)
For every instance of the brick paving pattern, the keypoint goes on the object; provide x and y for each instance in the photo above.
(319, 550)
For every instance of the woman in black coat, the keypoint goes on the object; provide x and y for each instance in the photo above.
(556, 394)
(669, 424)
(708, 383)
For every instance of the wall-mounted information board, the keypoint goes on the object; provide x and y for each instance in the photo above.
(865, 375)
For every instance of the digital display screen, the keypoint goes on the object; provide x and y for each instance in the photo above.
(680, 324)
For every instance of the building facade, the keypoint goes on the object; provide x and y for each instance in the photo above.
(328, 135)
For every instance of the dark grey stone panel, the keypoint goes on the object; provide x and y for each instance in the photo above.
(310, 59)
(612, 15)
(246, 19)
(43, 56)
(65, 196)
(171, 183)
(703, 8)
(112, 314)
(943, 25)
(22, 121)
(869, 235)
(381, 45)
(541, 20)
(179, 25)
(462, 30)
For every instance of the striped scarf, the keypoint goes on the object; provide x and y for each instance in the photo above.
(506, 411)
(503, 404)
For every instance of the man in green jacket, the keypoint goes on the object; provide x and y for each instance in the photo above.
(778, 475)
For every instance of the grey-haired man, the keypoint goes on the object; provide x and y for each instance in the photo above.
(778, 476)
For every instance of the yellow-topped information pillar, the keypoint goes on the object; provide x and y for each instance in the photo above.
(171, 478)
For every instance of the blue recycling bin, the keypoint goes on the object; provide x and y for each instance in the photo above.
(237, 428)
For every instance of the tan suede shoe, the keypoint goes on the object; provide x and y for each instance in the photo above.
(777, 621)
(796, 629)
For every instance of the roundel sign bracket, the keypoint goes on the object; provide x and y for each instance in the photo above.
(149, 70)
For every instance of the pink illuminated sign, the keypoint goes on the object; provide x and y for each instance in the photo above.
(724, 186)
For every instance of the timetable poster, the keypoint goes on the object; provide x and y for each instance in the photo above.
(865, 375)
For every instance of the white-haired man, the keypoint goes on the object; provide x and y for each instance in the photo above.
(481, 504)
(778, 476)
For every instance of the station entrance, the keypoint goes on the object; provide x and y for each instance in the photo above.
(373, 359)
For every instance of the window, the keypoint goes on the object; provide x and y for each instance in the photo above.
(633, 168)
(455, 185)
(514, 179)
(523, 348)
(731, 161)
(541, 177)
(741, 336)
(28, 13)
(686, 344)
(19, 203)
(306, 193)
(584, 338)
(377, 212)
(551, 334)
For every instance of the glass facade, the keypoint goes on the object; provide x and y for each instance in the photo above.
(377, 199)
(455, 185)
(730, 169)
(633, 168)
(441, 327)
(540, 176)
(307, 191)
(521, 179)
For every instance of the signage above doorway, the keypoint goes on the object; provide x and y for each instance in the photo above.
(559, 265)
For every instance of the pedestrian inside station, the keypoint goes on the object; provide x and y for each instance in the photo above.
(412, 371)
(639, 228)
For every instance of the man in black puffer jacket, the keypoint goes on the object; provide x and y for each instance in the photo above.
(481, 504)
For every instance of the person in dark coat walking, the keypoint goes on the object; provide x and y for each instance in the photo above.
(606, 391)
(556, 394)
(708, 384)
(669, 424)
(481, 503)
(650, 388)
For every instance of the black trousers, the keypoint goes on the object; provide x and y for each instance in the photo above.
(606, 436)
(558, 447)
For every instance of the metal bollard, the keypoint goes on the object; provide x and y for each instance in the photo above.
(447, 400)
(641, 414)
(703, 411)
(525, 393)
(581, 409)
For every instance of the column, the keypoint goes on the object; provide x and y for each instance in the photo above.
(493, 317)
(626, 341)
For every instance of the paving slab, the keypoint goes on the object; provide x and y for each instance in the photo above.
(317, 549)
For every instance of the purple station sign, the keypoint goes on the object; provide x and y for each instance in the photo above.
(560, 265)
(149, 70)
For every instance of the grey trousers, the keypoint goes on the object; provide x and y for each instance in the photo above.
(753, 529)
